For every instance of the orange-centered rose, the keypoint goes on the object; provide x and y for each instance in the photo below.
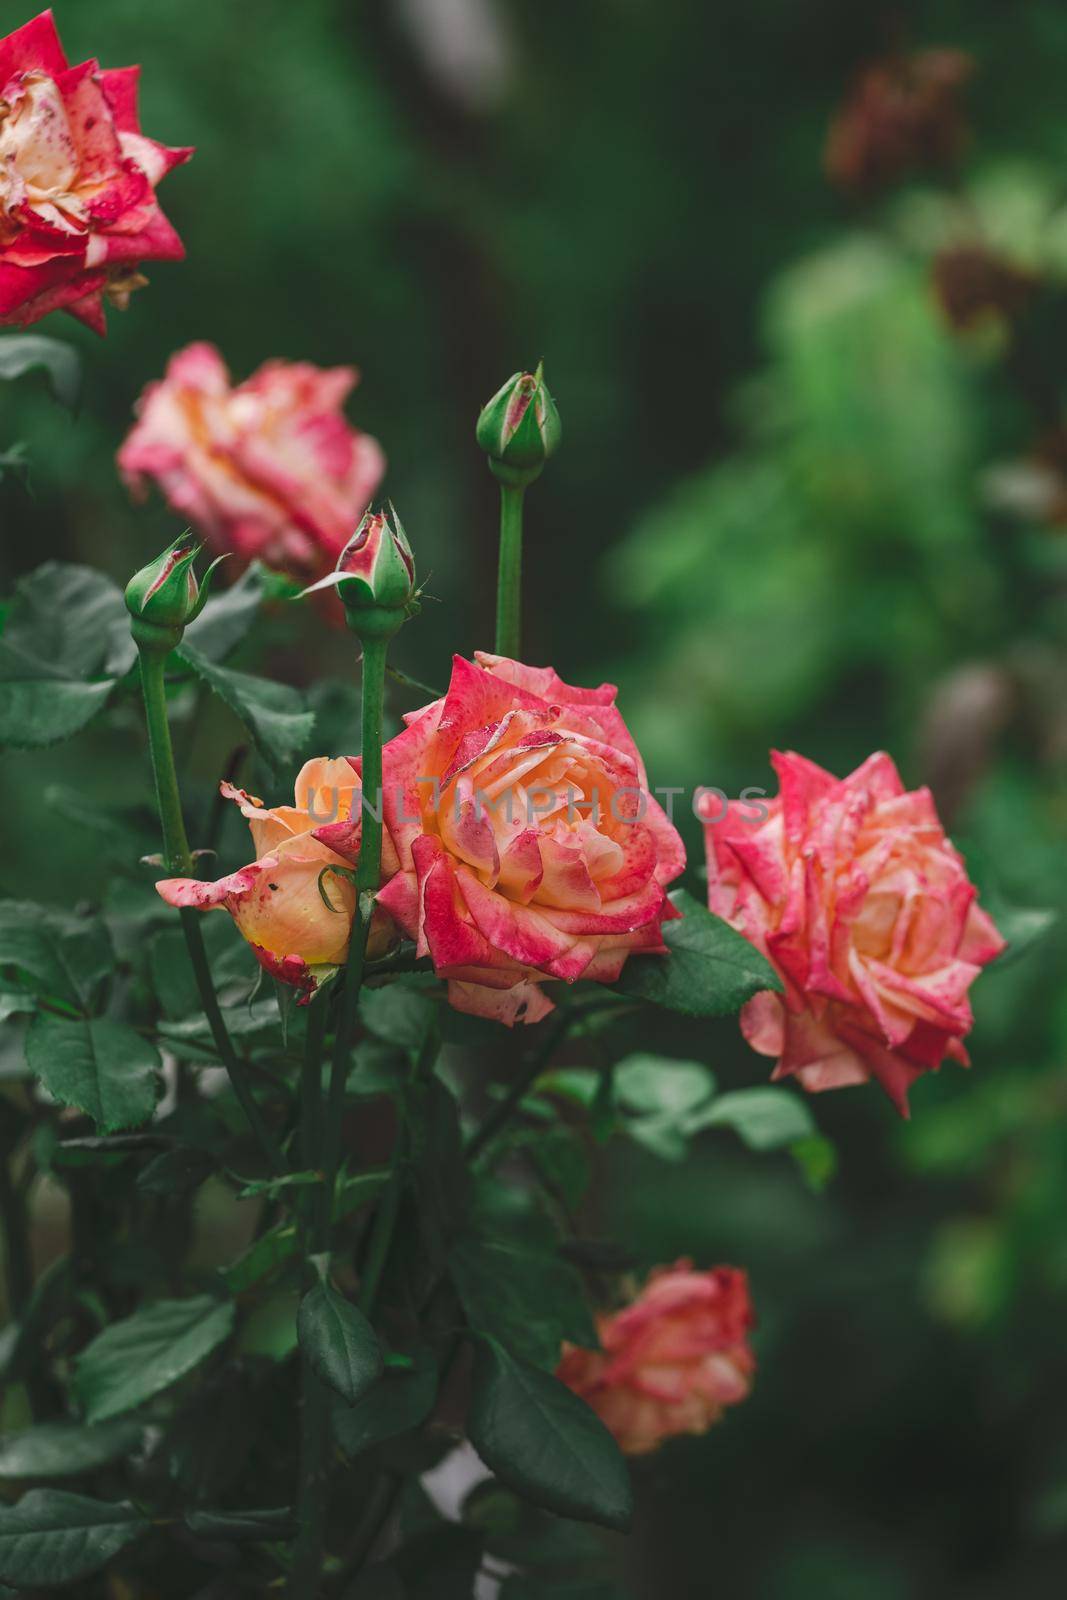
(529, 847)
(850, 887)
(278, 902)
(268, 468)
(672, 1360)
(78, 208)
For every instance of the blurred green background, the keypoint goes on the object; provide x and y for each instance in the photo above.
(774, 521)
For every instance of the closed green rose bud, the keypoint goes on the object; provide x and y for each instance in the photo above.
(164, 597)
(519, 428)
(375, 576)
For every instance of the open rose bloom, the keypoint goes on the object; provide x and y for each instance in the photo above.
(268, 469)
(277, 902)
(78, 208)
(529, 848)
(853, 892)
(670, 1362)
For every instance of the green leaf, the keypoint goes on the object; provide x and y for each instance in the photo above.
(22, 352)
(660, 1093)
(710, 970)
(339, 1342)
(132, 1360)
(228, 616)
(526, 1297)
(273, 713)
(65, 1449)
(765, 1117)
(243, 1527)
(662, 1085)
(63, 956)
(545, 1443)
(266, 1253)
(398, 1014)
(38, 713)
(62, 623)
(53, 1537)
(100, 1067)
(272, 1187)
(400, 1402)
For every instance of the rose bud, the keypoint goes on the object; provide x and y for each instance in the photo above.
(851, 890)
(375, 576)
(670, 1362)
(295, 902)
(166, 593)
(519, 428)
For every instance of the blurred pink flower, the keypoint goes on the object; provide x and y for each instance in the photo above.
(851, 889)
(268, 469)
(672, 1360)
(78, 209)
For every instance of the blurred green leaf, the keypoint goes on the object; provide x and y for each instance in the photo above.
(23, 352)
(243, 1527)
(765, 1117)
(65, 1449)
(134, 1359)
(101, 1067)
(53, 1537)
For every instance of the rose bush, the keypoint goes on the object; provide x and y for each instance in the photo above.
(78, 179)
(850, 887)
(267, 468)
(672, 1360)
(298, 931)
(528, 846)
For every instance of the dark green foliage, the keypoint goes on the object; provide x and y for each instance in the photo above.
(545, 1443)
(712, 970)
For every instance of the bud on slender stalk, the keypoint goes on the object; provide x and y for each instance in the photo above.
(375, 577)
(164, 597)
(519, 428)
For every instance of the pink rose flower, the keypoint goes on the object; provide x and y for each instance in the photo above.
(268, 469)
(851, 889)
(276, 901)
(528, 845)
(671, 1361)
(78, 208)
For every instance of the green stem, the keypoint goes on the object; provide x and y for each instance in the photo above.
(509, 574)
(306, 1572)
(179, 861)
(368, 872)
(314, 1400)
(18, 1271)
